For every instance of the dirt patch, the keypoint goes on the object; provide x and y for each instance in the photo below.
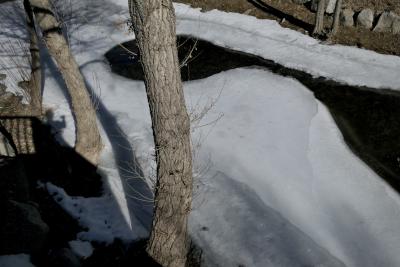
(300, 18)
(380, 42)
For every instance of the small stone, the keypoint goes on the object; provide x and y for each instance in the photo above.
(2, 76)
(347, 17)
(248, 11)
(365, 19)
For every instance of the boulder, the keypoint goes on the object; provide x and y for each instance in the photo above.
(2, 76)
(396, 26)
(330, 6)
(22, 229)
(388, 22)
(365, 19)
(330, 9)
(347, 17)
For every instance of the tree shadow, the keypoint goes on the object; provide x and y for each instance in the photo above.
(262, 234)
(13, 21)
(48, 162)
(139, 195)
(53, 163)
(280, 14)
(367, 117)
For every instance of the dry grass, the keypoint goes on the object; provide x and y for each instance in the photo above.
(377, 5)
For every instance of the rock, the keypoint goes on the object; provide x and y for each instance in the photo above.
(2, 76)
(330, 9)
(83, 249)
(396, 26)
(365, 19)
(385, 22)
(347, 17)
(22, 229)
(249, 11)
(388, 22)
(330, 6)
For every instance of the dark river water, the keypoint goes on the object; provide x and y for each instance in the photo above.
(368, 118)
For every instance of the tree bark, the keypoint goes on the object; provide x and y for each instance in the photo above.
(336, 18)
(319, 18)
(34, 86)
(154, 26)
(88, 142)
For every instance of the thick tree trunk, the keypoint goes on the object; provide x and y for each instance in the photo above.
(319, 18)
(34, 86)
(88, 141)
(154, 26)
(336, 18)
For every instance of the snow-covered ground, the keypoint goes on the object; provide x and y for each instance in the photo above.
(19, 260)
(276, 184)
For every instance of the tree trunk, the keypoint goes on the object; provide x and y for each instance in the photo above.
(336, 18)
(154, 26)
(319, 18)
(88, 142)
(34, 86)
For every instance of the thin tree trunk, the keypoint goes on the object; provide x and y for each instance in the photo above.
(154, 26)
(35, 83)
(336, 18)
(319, 18)
(88, 142)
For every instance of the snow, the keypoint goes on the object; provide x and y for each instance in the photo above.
(19, 260)
(80, 248)
(266, 38)
(275, 182)
(106, 217)
(284, 145)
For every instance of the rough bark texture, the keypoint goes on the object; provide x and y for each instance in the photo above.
(34, 85)
(336, 18)
(319, 18)
(20, 131)
(154, 26)
(88, 142)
